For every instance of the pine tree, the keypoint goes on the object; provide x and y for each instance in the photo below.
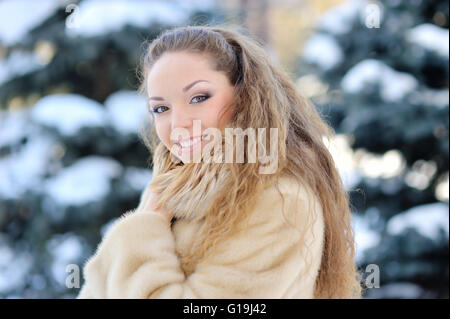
(386, 88)
(71, 161)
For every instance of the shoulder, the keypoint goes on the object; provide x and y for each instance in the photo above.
(286, 220)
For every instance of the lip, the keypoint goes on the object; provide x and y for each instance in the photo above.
(190, 147)
(190, 139)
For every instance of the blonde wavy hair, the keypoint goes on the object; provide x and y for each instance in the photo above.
(266, 98)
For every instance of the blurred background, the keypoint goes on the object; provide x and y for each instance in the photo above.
(71, 161)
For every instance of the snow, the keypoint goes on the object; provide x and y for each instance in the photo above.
(437, 98)
(18, 63)
(38, 282)
(323, 50)
(365, 237)
(13, 268)
(24, 170)
(431, 37)
(339, 19)
(194, 5)
(26, 166)
(126, 111)
(394, 85)
(98, 17)
(93, 17)
(65, 249)
(427, 219)
(18, 17)
(350, 179)
(344, 158)
(13, 126)
(137, 178)
(68, 113)
(87, 180)
(104, 229)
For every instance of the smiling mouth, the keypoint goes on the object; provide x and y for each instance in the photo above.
(189, 144)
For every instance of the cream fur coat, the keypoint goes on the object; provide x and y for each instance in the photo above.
(266, 258)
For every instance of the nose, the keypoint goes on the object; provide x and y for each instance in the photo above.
(181, 118)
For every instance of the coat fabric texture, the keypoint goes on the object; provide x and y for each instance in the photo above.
(276, 253)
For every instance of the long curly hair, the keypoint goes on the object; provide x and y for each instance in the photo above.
(266, 98)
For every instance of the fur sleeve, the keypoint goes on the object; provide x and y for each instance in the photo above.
(266, 258)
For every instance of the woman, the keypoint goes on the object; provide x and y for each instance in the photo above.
(211, 228)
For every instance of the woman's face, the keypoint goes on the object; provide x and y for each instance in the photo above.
(182, 88)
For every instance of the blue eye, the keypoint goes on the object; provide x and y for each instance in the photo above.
(157, 109)
(161, 108)
(201, 96)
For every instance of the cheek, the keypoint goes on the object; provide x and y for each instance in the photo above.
(163, 131)
(218, 116)
(225, 116)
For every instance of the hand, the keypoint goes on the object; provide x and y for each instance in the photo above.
(150, 205)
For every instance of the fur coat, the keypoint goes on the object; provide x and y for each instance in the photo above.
(275, 253)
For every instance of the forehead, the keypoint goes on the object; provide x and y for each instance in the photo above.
(178, 68)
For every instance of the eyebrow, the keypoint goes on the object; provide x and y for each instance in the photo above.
(157, 98)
